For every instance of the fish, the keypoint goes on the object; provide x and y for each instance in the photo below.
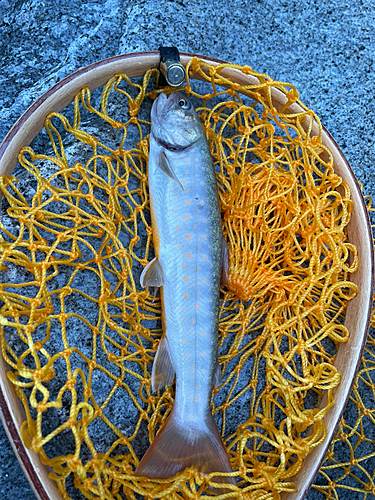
(191, 261)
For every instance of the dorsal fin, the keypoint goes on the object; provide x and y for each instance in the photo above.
(217, 375)
(224, 263)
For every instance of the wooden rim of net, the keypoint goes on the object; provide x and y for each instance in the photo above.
(359, 232)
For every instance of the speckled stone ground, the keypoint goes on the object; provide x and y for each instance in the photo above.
(325, 50)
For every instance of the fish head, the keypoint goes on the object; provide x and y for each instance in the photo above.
(174, 122)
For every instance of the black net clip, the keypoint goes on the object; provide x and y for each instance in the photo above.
(172, 71)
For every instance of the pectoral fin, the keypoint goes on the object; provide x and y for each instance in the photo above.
(224, 263)
(163, 371)
(152, 274)
(166, 167)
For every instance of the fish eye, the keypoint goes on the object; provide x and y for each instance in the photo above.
(184, 103)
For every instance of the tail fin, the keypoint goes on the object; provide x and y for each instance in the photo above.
(177, 446)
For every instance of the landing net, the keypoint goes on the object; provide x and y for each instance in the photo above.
(80, 334)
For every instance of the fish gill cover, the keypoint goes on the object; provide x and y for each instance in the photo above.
(79, 333)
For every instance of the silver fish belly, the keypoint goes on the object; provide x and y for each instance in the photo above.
(188, 247)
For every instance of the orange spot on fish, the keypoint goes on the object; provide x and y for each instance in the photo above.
(202, 333)
(187, 202)
(187, 356)
(188, 236)
(195, 226)
(188, 255)
(186, 217)
(183, 266)
(177, 227)
(204, 280)
(197, 268)
(192, 367)
(186, 296)
(184, 341)
(197, 307)
(204, 257)
(193, 321)
(186, 278)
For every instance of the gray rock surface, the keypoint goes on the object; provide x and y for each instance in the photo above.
(326, 51)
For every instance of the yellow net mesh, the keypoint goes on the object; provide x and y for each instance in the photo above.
(284, 214)
(350, 466)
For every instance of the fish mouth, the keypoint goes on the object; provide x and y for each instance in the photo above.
(170, 147)
(173, 147)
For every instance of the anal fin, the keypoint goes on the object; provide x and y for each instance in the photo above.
(163, 371)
